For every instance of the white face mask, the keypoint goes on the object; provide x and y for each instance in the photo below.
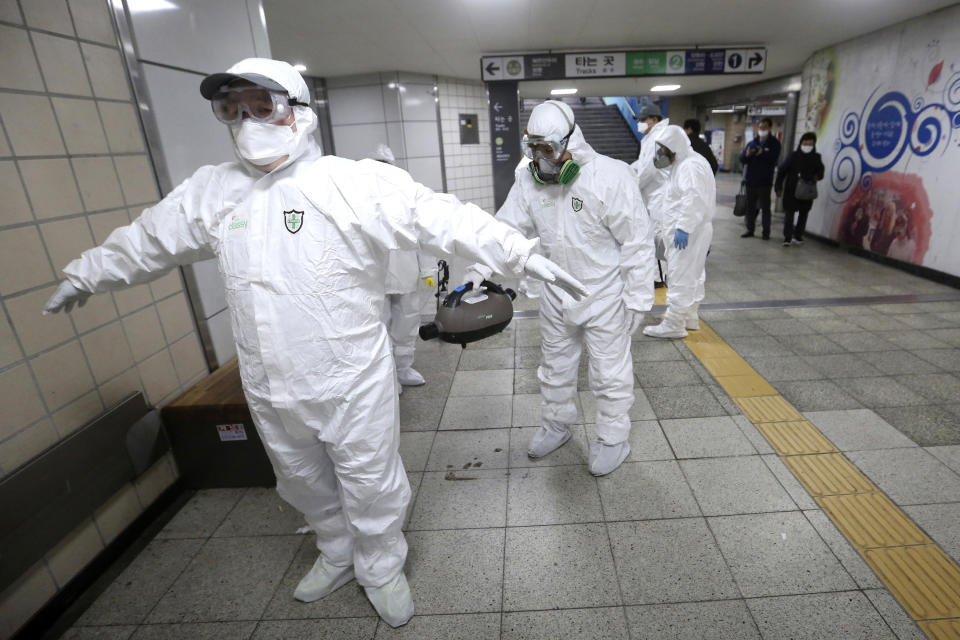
(263, 144)
(763, 133)
(806, 148)
(642, 127)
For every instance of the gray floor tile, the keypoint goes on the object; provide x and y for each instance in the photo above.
(420, 414)
(349, 601)
(880, 392)
(477, 412)
(486, 359)
(941, 522)
(132, 595)
(553, 495)
(928, 426)
(949, 335)
(202, 514)
(863, 341)
(526, 409)
(654, 350)
(603, 623)
(842, 365)
(811, 312)
(415, 449)
(662, 561)
(482, 383)
(341, 629)
(938, 387)
(647, 491)
(862, 574)
(483, 448)
(816, 395)
(639, 411)
(810, 345)
(463, 626)
(949, 455)
(786, 327)
(894, 615)
(909, 476)
(528, 338)
(856, 429)
(726, 402)
(735, 485)
(879, 322)
(260, 512)
(101, 633)
(914, 339)
(759, 346)
(706, 437)
(525, 381)
(741, 328)
(946, 359)
(456, 571)
(505, 339)
(777, 368)
(691, 401)
(461, 500)
(558, 567)
(573, 452)
(847, 615)
(527, 357)
(666, 374)
(789, 482)
(755, 437)
(647, 441)
(898, 362)
(778, 553)
(246, 572)
(196, 631)
(829, 325)
(716, 620)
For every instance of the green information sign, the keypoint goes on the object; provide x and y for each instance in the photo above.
(646, 63)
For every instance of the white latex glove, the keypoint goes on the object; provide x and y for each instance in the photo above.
(65, 297)
(543, 269)
(475, 274)
(634, 321)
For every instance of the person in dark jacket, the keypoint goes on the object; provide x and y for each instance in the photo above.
(803, 163)
(760, 157)
(692, 127)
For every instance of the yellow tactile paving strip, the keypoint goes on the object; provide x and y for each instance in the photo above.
(918, 573)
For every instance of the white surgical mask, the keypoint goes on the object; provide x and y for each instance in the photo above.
(642, 127)
(263, 144)
(763, 133)
(806, 148)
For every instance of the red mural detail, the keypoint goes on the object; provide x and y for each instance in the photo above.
(935, 73)
(890, 217)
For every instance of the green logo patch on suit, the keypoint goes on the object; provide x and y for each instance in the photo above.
(577, 204)
(293, 220)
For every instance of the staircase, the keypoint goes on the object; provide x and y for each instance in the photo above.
(603, 127)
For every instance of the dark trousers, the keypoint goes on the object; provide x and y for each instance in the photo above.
(790, 230)
(758, 198)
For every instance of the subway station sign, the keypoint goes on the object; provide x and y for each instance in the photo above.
(614, 64)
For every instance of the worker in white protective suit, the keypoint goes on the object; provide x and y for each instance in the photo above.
(302, 242)
(686, 227)
(650, 180)
(401, 309)
(589, 215)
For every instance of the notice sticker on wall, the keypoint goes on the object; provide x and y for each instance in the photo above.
(231, 432)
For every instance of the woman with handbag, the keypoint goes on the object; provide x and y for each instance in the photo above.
(796, 183)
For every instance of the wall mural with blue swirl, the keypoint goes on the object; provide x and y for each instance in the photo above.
(886, 108)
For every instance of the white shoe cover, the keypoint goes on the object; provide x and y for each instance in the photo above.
(692, 322)
(665, 330)
(392, 601)
(548, 439)
(410, 377)
(322, 580)
(604, 457)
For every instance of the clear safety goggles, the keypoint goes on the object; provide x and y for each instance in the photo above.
(260, 105)
(549, 147)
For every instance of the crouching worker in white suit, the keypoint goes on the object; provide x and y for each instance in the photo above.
(401, 309)
(587, 210)
(302, 242)
(685, 226)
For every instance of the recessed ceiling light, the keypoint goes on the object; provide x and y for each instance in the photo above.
(300, 67)
(665, 87)
(562, 92)
(721, 111)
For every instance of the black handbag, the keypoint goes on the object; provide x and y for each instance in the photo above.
(740, 201)
(805, 189)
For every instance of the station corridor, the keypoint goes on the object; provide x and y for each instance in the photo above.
(721, 524)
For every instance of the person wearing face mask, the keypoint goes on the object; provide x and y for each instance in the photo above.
(802, 165)
(649, 179)
(302, 241)
(590, 217)
(760, 157)
(689, 201)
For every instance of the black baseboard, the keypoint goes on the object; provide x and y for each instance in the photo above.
(51, 620)
(926, 273)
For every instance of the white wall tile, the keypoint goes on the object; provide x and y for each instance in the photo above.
(20, 70)
(355, 105)
(26, 445)
(80, 125)
(9, 350)
(47, 202)
(417, 103)
(426, 171)
(144, 333)
(66, 240)
(188, 359)
(159, 377)
(23, 261)
(99, 187)
(106, 72)
(98, 311)
(137, 180)
(20, 399)
(10, 12)
(64, 375)
(421, 139)
(122, 126)
(107, 352)
(61, 64)
(115, 390)
(35, 330)
(30, 124)
(77, 413)
(15, 207)
(51, 15)
(175, 317)
(357, 141)
(92, 21)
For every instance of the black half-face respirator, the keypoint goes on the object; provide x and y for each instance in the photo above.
(663, 158)
(545, 153)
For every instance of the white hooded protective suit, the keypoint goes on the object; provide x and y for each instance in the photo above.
(652, 181)
(689, 202)
(598, 228)
(303, 253)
